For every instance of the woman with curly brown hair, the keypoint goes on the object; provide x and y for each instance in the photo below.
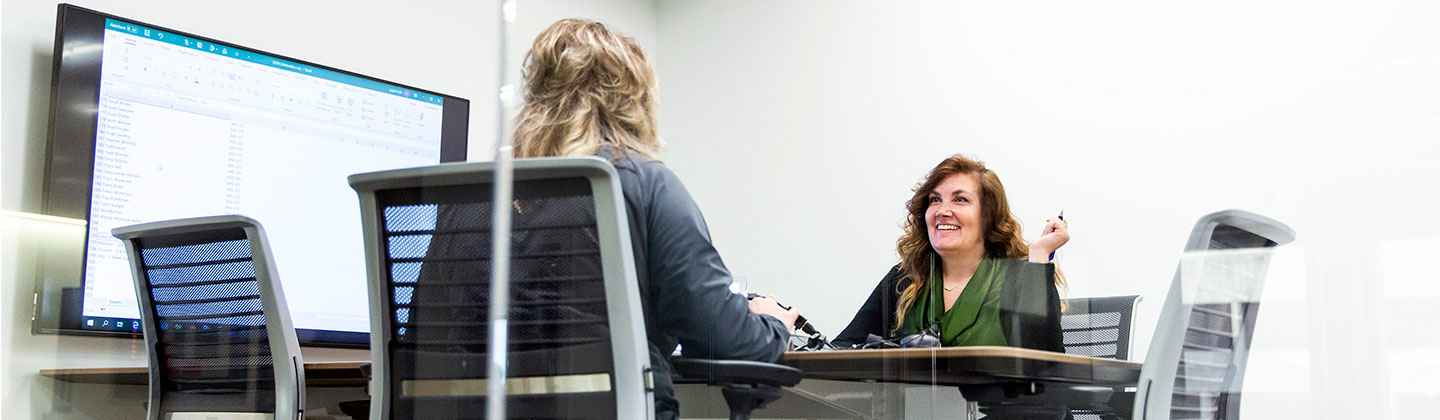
(965, 274)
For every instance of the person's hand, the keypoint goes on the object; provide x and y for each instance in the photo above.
(1055, 234)
(765, 305)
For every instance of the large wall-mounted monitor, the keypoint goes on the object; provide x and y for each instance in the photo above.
(149, 123)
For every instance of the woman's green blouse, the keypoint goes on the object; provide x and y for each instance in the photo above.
(975, 319)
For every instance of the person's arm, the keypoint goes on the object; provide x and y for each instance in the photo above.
(1053, 236)
(1030, 307)
(693, 301)
(876, 316)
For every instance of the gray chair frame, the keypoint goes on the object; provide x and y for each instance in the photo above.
(1157, 376)
(284, 347)
(635, 399)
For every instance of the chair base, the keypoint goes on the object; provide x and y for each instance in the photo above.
(746, 398)
(357, 409)
(1036, 401)
(218, 416)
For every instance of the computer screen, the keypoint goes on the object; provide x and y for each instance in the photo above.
(187, 126)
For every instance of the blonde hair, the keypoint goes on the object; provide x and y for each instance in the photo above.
(1002, 230)
(585, 87)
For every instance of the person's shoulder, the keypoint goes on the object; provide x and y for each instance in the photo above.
(636, 164)
(895, 278)
(894, 274)
(651, 168)
(658, 180)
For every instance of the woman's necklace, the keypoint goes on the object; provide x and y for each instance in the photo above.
(952, 288)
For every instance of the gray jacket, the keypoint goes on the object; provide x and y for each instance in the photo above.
(684, 284)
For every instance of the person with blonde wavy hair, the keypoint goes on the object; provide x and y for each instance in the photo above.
(966, 277)
(586, 87)
(591, 92)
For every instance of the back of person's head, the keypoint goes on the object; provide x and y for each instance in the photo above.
(585, 87)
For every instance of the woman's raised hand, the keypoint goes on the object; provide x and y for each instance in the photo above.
(1055, 234)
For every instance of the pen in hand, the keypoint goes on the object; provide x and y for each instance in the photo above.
(1062, 218)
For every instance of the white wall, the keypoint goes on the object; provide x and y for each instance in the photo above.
(633, 18)
(445, 46)
(801, 126)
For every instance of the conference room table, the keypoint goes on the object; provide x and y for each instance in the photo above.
(929, 383)
(317, 374)
(990, 377)
(963, 366)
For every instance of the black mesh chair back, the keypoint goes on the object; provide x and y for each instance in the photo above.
(1099, 326)
(215, 321)
(575, 330)
(1196, 363)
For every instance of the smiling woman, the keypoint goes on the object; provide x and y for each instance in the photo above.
(965, 274)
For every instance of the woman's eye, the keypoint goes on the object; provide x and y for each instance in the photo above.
(934, 200)
(962, 199)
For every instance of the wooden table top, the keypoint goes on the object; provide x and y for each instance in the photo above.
(318, 374)
(951, 352)
(958, 365)
(962, 366)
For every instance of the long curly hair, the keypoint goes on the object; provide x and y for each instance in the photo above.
(1002, 230)
(584, 87)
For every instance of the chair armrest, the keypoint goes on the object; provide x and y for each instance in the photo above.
(719, 372)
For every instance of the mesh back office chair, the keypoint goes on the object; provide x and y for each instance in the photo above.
(1099, 326)
(1196, 361)
(215, 321)
(577, 335)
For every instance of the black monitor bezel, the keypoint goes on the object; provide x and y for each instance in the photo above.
(70, 154)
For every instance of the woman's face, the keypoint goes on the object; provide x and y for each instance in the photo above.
(952, 217)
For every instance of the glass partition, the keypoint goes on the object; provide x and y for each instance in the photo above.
(800, 130)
